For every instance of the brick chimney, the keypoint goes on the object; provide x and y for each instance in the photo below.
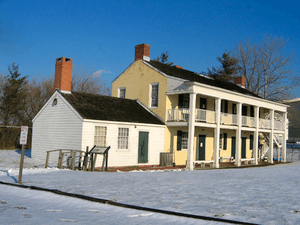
(240, 81)
(63, 74)
(142, 51)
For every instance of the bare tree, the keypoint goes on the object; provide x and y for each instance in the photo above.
(267, 68)
(88, 81)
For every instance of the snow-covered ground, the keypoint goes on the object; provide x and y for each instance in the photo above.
(264, 195)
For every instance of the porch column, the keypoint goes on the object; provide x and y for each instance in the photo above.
(191, 134)
(270, 158)
(217, 132)
(255, 138)
(238, 135)
(285, 136)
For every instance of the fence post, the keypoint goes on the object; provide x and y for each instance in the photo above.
(73, 160)
(47, 159)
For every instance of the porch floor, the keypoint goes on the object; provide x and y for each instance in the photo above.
(225, 165)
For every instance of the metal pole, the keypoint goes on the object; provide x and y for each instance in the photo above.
(21, 164)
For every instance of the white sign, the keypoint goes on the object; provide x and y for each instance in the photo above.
(23, 135)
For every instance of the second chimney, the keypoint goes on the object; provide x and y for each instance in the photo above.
(142, 51)
(240, 81)
(63, 74)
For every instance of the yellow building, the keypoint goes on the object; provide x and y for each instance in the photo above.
(207, 120)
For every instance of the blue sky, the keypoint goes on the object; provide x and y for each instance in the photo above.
(102, 34)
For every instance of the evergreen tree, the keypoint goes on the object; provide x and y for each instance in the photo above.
(227, 71)
(163, 58)
(12, 99)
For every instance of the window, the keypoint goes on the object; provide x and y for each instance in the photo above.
(154, 95)
(223, 141)
(100, 136)
(183, 101)
(122, 92)
(224, 106)
(244, 110)
(234, 108)
(203, 103)
(123, 135)
(252, 111)
(182, 140)
(251, 141)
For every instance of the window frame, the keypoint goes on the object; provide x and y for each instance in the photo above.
(182, 136)
(120, 144)
(183, 101)
(223, 141)
(151, 105)
(120, 91)
(97, 133)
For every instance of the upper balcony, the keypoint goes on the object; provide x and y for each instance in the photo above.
(208, 116)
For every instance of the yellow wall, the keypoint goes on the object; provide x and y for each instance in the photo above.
(180, 156)
(137, 79)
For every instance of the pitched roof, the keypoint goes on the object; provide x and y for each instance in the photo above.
(192, 76)
(100, 107)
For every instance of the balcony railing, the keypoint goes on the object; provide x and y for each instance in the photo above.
(205, 116)
(264, 124)
(178, 114)
(278, 125)
(228, 119)
(248, 121)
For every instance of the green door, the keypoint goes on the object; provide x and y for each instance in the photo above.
(244, 147)
(201, 151)
(233, 147)
(143, 147)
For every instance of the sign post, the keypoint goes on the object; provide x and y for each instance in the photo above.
(23, 142)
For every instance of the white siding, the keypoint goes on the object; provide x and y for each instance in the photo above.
(126, 157)
(56, 127)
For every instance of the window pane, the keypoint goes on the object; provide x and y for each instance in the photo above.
(184, 141)
(154, 95)
(100, 136)
(123, 134)
(122, 92)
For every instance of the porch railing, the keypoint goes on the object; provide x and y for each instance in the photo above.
(264, 123)
(248, 121)
(278, 125)
(178, 114)
(228, 119)
(205, 116)
(208, 116)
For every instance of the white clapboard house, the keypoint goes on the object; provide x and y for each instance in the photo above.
(73, 120)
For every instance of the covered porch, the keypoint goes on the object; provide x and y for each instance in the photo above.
(203, 108)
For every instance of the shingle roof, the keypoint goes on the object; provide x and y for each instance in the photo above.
(192, 76)
(100, 107)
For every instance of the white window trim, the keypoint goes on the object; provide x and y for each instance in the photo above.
(123, 149)
(119, 91)
(150, 95)
(105, 133)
